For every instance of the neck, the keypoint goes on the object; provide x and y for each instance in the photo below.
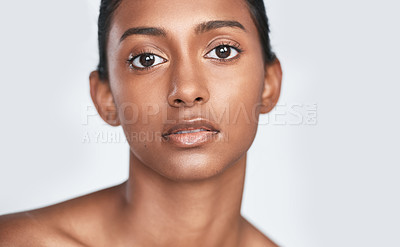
(164, 212)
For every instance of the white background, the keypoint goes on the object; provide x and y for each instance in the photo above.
(325, 184)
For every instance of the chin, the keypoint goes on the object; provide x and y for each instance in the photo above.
(195, 165)
(190, 166)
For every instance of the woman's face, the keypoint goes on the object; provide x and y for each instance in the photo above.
(187, 79)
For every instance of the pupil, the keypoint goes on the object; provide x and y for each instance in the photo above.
(147, 60)
(223, 51)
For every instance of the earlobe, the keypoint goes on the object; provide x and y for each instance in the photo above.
(272, 86)
(103, 99)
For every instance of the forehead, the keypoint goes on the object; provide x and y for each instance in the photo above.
(177, 17)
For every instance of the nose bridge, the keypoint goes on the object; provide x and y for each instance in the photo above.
(188, 82)
(185, 68)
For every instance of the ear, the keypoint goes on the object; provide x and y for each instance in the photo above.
(272, 86)
(103, 99)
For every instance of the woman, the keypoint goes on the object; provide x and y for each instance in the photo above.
(187, 81)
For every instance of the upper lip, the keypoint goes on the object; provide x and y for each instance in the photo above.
(192, 124)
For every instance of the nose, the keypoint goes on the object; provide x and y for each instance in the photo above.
(188, 86)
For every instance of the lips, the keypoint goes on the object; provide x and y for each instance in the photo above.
(190, 133)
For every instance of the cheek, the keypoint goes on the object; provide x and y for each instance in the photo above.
(236, 96)
(139, 100)
(142, 126)
(141, 107)
(238, 90)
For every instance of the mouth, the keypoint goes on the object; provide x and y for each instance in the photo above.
(191, 133)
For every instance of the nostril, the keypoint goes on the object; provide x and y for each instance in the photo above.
(178, 101)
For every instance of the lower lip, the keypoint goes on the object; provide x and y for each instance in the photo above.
(191, 139)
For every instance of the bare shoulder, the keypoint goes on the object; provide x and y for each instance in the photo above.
(253, 237)
(25, 229)
(68, 223)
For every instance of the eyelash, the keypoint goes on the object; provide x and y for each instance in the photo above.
(232, 45)
(133, 56)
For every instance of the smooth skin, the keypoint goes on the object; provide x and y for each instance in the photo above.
(175, 196)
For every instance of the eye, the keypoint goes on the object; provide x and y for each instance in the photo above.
(145, 60)
(223, 52)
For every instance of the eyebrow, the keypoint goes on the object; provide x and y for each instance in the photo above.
(153, 31)
(200, 28)
(211, 25)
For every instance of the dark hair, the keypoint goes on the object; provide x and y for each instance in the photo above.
(107, 8)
